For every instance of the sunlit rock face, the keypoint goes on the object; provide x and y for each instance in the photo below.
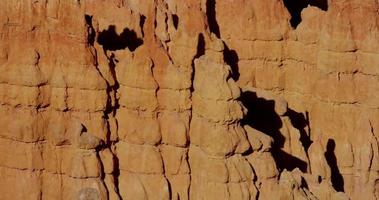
(189, 100)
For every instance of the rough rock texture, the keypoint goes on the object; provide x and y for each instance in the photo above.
(195, 99)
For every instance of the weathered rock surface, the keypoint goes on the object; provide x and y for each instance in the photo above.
(196, 99)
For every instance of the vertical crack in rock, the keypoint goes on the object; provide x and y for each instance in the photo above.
(116, 174)
(102, 170)
(336, 177)
(91, 35)
(111, 42)
(142, 24)
(200, 51)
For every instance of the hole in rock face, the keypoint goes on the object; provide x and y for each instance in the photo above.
(295, 7)
(336, 177)
(175, 20)
(211, 16)
(110, 40)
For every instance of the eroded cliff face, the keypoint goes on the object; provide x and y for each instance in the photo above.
(196, 99)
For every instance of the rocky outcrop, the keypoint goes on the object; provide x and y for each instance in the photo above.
(197, 99)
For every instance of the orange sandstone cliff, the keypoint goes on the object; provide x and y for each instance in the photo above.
(189, 100)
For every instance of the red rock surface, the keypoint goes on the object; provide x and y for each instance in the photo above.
(195, 99)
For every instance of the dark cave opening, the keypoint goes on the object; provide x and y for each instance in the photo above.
(110, 40)
(295, 8)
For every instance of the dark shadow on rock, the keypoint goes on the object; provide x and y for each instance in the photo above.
(91, 31)
(231, 58)
(142, 20)
(261, 115)
(110, 40)
(175, 20)
(295, 8)
(200, 46)
(322, 4)
(211, 16)
(116, 173)
(112, 61)
(336, 177)
(288, 161)
(200, 51)
(301, 123)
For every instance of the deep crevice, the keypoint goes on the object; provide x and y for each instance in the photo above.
(110, 40)
(295, 8)
(211, 16)
(336, 176)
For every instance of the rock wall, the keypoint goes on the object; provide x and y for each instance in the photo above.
(196, 99)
